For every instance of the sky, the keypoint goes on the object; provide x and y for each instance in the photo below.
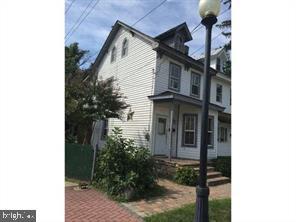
(93, 31)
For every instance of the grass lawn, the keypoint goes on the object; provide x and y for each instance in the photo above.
(219, 211)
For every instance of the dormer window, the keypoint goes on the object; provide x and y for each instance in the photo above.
(179, 42)
(124, 48)
(113, 54)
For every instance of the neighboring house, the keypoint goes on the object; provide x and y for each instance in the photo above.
(163, 86)
(219, 57)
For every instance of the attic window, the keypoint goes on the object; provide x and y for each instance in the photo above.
(124, 48)
(113, 54)
(218, 64)
(179, 42)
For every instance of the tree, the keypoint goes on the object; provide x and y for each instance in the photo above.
(87, 99)
(227, 68)
(225, 26)
(73, 58)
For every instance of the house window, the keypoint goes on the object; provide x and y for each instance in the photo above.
(124, 48)
(222, 134)
(104, 133)
(218, 64)
(179, 42)
(113, 54)
(175, 77)
(195, 84)
(211, 132)
(219, 93)
(161, 126)
(189, 130)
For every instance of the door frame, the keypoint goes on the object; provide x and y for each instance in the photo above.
(155, 130)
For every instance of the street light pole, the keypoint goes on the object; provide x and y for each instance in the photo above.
(209, 10)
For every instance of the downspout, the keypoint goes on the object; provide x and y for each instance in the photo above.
(150, 113)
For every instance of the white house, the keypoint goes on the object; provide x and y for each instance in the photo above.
(163, 86)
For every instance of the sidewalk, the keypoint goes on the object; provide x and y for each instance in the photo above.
(93, 206)
(176, 196)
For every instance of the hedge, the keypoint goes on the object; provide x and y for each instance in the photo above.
(78, 161)
(223, 165)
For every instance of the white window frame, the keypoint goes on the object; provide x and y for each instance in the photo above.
(113, 54)
(194, 130)
(173, 78)
(124, 48)
(179, 42)
(223, 134)
(217, 95)
(211, 131)
(163, 121)
(193, 74)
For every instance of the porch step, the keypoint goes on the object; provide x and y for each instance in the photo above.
(188, 164)
(213, 175)
(218, 181)
(209, 169)
(168, 169)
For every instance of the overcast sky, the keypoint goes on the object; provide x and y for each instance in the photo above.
(93, 31)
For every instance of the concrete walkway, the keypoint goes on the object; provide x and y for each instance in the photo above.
(175, 197)
(70, 184)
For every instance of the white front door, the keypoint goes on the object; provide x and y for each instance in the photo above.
(161, 135)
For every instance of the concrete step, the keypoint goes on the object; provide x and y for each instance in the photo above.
(187, 165)
(218, 181)
(213, 174)
(209, 169)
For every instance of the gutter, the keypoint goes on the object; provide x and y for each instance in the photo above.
(187, 60)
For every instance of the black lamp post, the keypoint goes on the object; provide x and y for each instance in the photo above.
(208, 10)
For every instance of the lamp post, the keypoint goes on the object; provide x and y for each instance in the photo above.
(208, 10)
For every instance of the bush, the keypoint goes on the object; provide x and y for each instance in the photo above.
(187, 176)
(223, 165)
(122, 169)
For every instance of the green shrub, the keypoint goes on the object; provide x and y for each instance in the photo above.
(122, 169)
(187, 176)
(223, 165)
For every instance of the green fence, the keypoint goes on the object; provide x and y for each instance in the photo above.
(78, 161)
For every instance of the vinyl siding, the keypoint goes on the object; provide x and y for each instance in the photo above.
(182, 151)
(225, 93)
(192, 152)
(134, 74)
(162, 80)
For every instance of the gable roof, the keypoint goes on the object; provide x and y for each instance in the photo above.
(214, 52)
(155, 42)
(173, 30)
(111, 36)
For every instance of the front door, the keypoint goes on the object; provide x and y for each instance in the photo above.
(161, 138)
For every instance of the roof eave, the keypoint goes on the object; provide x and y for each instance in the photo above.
(170, 96)
(110, 38)
(169, 32)
(179, 56)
